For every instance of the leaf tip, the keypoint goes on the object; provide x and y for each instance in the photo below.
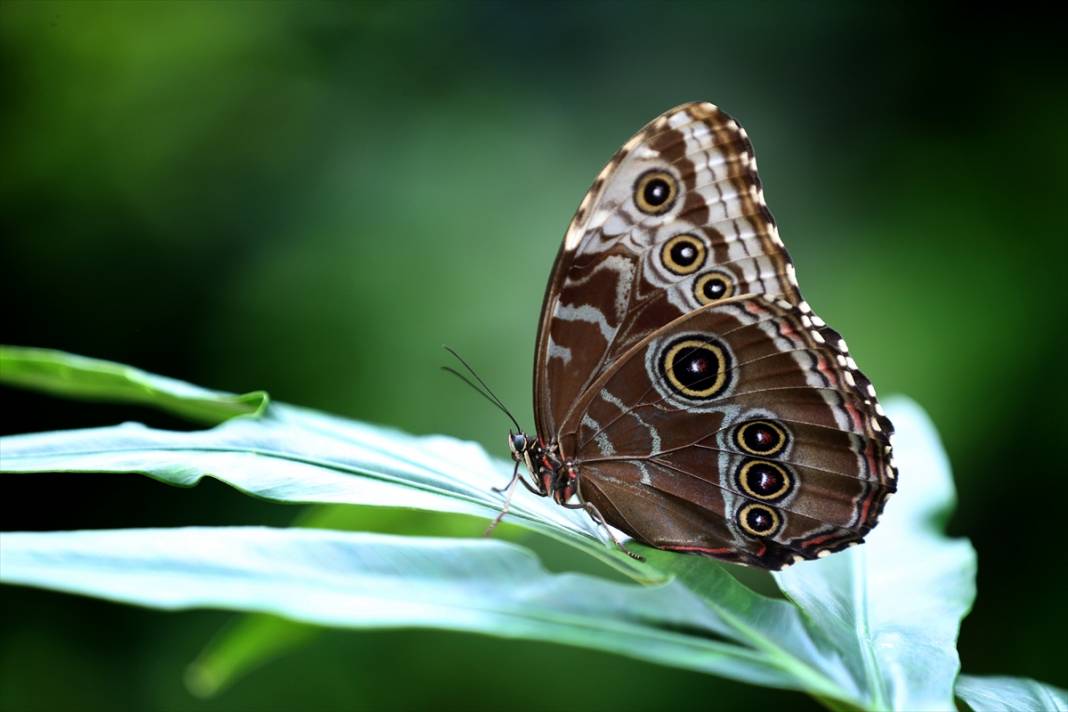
(201, 681)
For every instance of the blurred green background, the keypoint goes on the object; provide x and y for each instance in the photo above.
(312, 198)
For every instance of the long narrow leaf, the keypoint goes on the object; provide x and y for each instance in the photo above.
(295, 455)
(364, 580)
(71, 376)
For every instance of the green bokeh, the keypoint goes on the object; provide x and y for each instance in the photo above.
(313, 198)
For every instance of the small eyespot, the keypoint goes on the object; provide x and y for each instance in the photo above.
(759, 520)
(655, 192)
(696, 367)
(712, 287)
(683, 254)
(760, 437)
(764, 480)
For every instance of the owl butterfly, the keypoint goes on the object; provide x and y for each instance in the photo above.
(684, 392)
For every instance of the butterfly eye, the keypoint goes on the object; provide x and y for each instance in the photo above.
(517, 443)
(759, 520)
(696, 368)
(712, 287)
(683, 254)
(655, 192)
(764, 480)
(760, 437)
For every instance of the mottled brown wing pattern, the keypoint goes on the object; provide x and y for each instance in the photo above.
(675, 221)
(742, 430)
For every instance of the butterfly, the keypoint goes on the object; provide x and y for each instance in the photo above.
(685, 394)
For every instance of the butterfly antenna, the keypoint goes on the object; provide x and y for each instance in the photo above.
(485, 391)
(472, 372)
(478, 378)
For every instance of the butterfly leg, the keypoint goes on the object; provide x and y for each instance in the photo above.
(510, 489)
(595, 514)
(511, 482)
(523, 480)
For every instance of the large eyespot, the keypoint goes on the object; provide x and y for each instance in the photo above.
(696, 367)
(764, 480)
(759, 520)
(655, 192)
(760, 437)
(712, 287)
(683, 254)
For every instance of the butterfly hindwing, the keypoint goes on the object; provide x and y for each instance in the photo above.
(745, 421)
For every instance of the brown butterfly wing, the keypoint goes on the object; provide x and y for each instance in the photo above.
(742, 430)
(628, 267)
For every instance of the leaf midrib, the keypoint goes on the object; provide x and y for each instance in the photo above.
(862, 630)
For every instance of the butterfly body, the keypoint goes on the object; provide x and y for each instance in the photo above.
(684, 392)
(553, 476)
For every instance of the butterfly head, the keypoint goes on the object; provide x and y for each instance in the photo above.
(519, 444)
(525, 451)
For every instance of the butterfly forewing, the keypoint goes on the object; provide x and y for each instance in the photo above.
(676, 220)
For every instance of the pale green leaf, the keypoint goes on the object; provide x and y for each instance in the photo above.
(893, 606)
(1010, 694)
(361, 580)
(874, 627)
